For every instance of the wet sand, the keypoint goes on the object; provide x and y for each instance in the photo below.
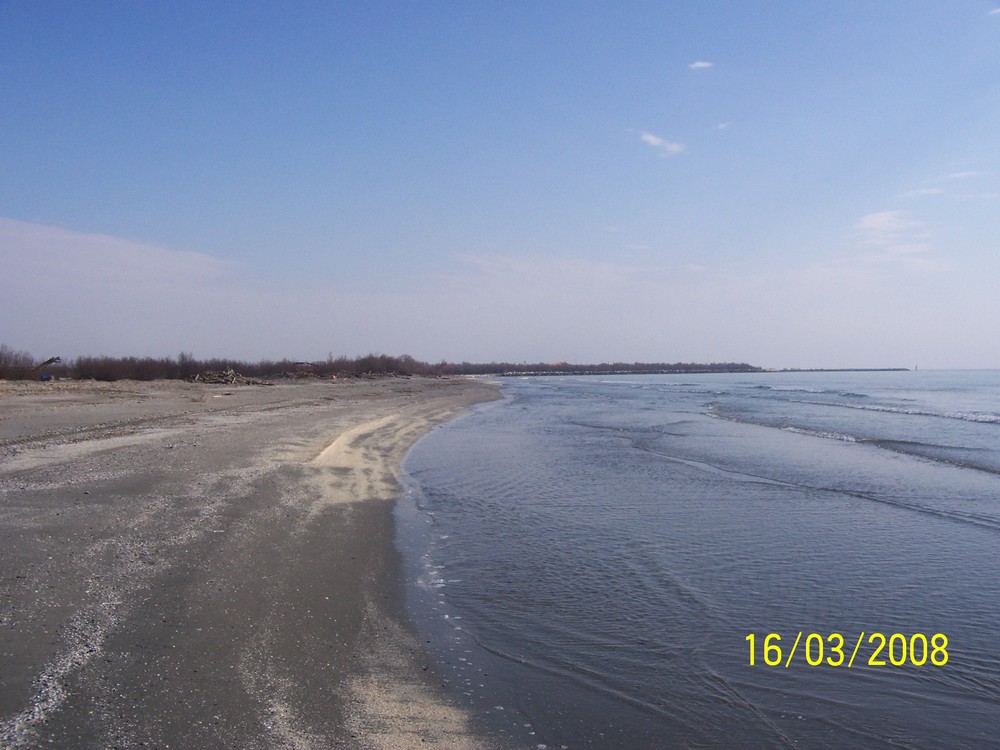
(198, 566)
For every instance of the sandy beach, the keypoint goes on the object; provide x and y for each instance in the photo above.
(206, 566)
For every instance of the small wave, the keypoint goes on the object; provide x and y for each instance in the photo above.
(714, 410)
(431, 578)
(964, 416)
(820, 433)
(789, 389)
(814, 391)
(943, 454)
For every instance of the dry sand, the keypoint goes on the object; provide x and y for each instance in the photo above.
(198, 566)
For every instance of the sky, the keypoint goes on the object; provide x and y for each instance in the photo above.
(787, 183)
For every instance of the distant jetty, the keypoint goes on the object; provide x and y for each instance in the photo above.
(624, 368)
(844, 369)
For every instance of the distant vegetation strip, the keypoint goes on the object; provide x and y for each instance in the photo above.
(18, 365)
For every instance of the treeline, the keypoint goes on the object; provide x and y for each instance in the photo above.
(16, 365)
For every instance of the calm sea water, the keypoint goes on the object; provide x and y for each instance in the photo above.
(587, 558)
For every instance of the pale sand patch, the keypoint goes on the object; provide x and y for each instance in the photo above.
(363, 462)
(359, 462)
(394, 708)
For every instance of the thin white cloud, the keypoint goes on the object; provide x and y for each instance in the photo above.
(885, 227)
(894, 237)
(665, 147)
(57, 253)
(701, 65)
(722, 126)
(75, 293)
(922, 192)
(994, 12)
(961, 175)
(92, 293)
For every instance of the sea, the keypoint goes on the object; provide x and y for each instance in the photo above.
(764, 560)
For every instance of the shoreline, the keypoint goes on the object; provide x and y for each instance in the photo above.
(193, 565)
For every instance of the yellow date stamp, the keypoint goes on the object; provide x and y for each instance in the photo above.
(833, 650)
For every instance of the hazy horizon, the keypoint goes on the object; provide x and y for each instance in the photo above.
(796, 185)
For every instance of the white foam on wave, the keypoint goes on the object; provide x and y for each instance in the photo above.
(821, 433)
(964, 416)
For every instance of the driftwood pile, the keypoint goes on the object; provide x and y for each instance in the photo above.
(229, 376)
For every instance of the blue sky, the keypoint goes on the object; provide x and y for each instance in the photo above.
(807, 184)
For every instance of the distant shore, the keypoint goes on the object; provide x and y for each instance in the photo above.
(22, 365)
(693, 370)
(193, 565)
